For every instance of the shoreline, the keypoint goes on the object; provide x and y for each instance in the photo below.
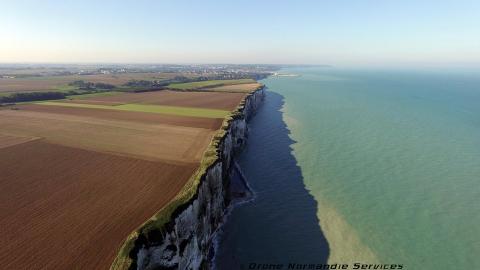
(250, 197)
(344, 243)
(160, 235)
(257, 232)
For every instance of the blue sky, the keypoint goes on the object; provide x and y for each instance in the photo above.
(337, 32)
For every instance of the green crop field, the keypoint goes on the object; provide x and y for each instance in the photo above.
(172, 110)
(203, 84)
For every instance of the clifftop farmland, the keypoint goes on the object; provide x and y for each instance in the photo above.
(80, 174)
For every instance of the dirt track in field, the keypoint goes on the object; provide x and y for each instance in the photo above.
(138, 117)
(66, 208)
(7, 141)
(210, 100)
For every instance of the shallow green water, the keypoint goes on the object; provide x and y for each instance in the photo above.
(393, 160)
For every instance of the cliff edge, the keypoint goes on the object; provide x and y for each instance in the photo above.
(180, 235)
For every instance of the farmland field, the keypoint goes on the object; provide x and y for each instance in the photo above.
(211, 83)
(78, 176)
(242, 88)
(138, 117)
(166, 142)
(161, 109)
(209, 100)
(6, 140)
(60, 83)
(68, 208)
(94, 95)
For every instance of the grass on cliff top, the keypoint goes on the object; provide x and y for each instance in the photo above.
(158, 221)
(161, 109)
(204, 84)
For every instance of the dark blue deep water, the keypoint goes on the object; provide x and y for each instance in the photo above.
(281, 224)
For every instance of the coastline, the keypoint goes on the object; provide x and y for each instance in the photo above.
(273, 228)
(217, 236)
(344, 242)
(362, 158)
(203, 202)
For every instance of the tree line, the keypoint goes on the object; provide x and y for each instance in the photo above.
(32, 96)
(83, 85)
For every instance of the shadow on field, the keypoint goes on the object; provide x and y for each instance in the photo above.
(281, 224)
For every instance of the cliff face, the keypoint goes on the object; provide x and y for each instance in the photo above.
(186, 242)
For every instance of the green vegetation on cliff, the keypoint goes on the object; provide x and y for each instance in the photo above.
(123, 261)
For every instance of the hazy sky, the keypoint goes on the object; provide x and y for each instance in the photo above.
(338, 32)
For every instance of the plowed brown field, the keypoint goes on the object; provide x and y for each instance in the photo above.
(75, 182)
(210, 100)
(6, 140)
(67, 208)
(146, 141)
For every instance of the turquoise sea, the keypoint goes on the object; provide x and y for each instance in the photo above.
(362, 166)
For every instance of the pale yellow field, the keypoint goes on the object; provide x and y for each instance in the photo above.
(151, 142)
(242, 88)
